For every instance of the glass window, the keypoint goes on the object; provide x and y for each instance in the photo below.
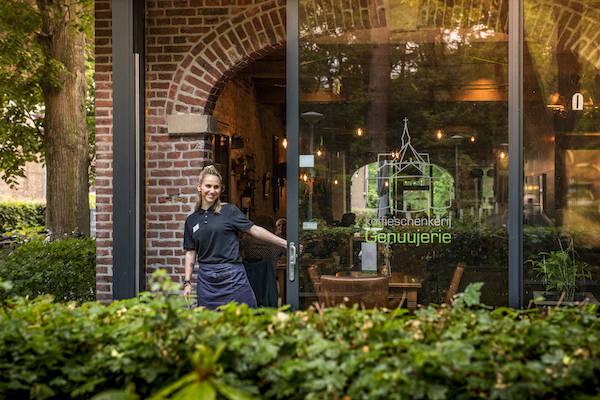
(561, 215)
(403, 151)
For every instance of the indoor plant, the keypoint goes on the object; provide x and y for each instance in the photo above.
(560, 271)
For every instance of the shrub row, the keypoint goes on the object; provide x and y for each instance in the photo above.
(51, 350)
(65, 269)
(16, 215)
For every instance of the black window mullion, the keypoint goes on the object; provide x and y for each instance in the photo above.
(515, 151)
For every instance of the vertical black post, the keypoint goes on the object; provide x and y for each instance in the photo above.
(127, 22)
(515, 152)
(292, 127)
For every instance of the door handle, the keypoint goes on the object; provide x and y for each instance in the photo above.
(292, 262)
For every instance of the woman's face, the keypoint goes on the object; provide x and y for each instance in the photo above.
(280, 228)
(210, 189)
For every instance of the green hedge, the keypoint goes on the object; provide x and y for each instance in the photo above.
(65, 269)
(58, 351)
(16, 215)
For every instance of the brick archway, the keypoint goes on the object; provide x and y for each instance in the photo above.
(231, 46)
(580, 34)
(580, 22)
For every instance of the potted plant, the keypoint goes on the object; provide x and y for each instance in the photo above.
(561, 272)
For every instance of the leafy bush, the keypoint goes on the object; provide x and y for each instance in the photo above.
(64, 268)
(52, 351)
(16, 215)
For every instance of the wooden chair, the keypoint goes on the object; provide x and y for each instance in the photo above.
(367, 292)
(455, 282)
(313, 273)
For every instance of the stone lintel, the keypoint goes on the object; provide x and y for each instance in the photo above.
(193, 125)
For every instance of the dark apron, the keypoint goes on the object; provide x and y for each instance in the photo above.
(220, 284)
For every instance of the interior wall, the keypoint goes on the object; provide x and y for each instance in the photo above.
(240, 115)
(272, 122)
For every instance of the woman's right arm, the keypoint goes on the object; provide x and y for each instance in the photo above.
(190, 259)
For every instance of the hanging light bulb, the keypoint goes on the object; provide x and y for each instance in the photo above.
(335, 182)
(439, 135)
(359, 132)
(386, 183)
(472, 139)
(304, 177)
(284, 143)
(319, 153)
(502, 155)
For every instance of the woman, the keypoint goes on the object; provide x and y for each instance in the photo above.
(210, 237)
(281, 228)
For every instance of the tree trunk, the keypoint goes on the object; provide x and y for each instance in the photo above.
(65, 128)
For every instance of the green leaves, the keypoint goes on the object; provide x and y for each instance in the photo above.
(21, 67)
(203, 383)
(560, 270)
(155, 347)
(24, 69)
(469, 297)
(18, 215)
(65, 269)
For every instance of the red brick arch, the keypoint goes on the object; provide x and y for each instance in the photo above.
(579, 34)
(232, 45)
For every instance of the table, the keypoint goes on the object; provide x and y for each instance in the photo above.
(591, 299)
(400, 287)
(404, 290)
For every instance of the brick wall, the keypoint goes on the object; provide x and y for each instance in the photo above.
(29, 188)
(103, 77)
(193, 47)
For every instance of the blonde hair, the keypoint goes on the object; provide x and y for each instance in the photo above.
(209, 170)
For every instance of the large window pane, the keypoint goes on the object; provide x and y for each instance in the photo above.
(562, 145)
(404, 150)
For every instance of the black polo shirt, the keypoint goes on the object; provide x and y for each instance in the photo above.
(214, 236)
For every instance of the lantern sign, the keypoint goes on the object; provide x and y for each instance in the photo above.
(577, 102)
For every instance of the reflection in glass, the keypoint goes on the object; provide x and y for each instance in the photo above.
(413, 98)
(562, 141)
